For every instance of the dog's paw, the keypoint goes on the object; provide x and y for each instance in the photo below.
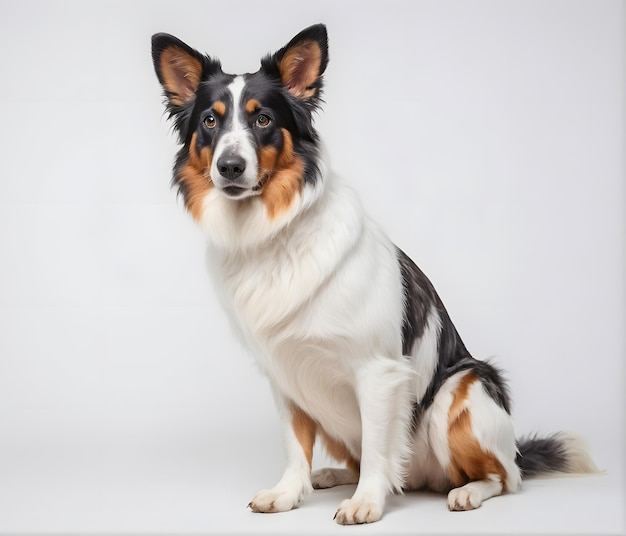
(356, 511)
(331, 477)
(461, 499)
(272, 500)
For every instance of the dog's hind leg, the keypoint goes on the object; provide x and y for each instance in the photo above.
(383, 392)
(481, 445)
(295, 484)
(329, 477)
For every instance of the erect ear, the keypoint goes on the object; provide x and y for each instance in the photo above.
(302, 62)
(180, 68)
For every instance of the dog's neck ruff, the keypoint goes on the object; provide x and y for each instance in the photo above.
(237, 226)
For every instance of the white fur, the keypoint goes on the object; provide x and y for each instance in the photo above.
(472, 494)
(424, 355)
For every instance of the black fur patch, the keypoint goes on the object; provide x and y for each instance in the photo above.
(541, 455)
(453, 356)
(419, 297)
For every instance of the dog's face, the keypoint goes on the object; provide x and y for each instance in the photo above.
(247, 136)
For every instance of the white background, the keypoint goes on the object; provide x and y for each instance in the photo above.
(487, 139)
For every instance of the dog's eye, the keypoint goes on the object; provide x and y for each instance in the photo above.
(263, 121)
(210, 121)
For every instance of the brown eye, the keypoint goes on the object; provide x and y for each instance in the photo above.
(263, 121)
(210, 121)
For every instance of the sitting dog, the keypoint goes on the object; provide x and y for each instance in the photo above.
(357, 345)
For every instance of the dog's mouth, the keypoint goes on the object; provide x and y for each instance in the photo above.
(234, 191)
(238, 192)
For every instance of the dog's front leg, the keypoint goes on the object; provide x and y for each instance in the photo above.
(383, 392)
(299, 431)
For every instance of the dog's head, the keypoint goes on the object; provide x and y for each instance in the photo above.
(247, 138)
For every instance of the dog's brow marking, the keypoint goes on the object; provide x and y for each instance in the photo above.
(252, 106)
(219, 108)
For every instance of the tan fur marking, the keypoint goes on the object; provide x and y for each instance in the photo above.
(339, 451)
(299, 68)
(195, 179)
(252, 106)
(282, 184)
(286, 156)
(305, 429)
(280, 192)
(268, 157)
(468, 460)
(219, 108)
(460, 395)
(181, 75)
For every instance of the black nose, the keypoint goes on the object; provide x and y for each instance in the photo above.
(231, 166)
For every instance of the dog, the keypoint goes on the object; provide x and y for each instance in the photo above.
(357, 345)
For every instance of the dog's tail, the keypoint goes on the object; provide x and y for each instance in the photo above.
(558, 453)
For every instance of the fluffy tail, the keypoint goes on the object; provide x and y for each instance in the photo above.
(558, 453)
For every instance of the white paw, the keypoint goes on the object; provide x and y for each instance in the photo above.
(330, 477)
(355, 511)
(464, 498)
(272, 500)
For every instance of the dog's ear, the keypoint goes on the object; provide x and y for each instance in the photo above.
(301, 63)
(180, 69)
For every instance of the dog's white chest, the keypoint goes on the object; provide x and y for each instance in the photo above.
(315, 304)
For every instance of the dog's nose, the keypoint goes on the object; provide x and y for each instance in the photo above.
(231, 166)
